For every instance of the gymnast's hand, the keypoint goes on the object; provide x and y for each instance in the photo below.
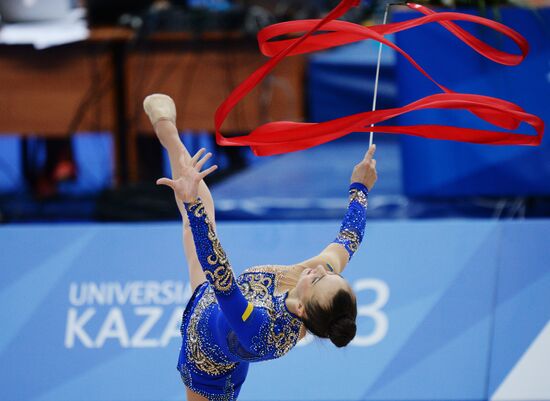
(186, 186)
(365, 171)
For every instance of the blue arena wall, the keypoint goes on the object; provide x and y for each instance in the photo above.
(444, 169)
(449, 310)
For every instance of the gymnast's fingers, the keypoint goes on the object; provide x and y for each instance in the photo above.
(202, 161)
(370, 152)
(207, 171)
(166, 181)
(197, 156)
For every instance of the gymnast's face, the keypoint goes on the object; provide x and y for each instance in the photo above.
(319, 285)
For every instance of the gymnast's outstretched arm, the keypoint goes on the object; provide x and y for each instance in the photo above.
(336, 255)
(238, 314)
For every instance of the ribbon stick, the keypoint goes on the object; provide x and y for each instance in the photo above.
(285, 136)
(375, 96)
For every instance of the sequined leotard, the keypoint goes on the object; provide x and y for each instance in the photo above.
(232, 321)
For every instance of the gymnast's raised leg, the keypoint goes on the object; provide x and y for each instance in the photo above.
(162, 113)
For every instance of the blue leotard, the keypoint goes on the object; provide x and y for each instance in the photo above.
(232, 321)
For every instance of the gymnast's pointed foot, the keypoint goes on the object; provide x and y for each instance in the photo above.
(160, 108)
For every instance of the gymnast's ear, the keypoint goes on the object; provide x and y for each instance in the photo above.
(301, 310)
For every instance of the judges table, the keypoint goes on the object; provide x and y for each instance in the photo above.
(99, 85)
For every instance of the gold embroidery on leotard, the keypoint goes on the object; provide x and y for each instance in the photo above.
(281, 332)
(195, 349)
(359, 196)
(197, 208)
(348, 235)
(222, 277)
(285, 277)
(256, 289)
(219, 275)
(286, 339)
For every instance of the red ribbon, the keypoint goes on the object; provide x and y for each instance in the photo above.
(285, 136)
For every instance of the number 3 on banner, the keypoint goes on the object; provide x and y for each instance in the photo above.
(374, 311)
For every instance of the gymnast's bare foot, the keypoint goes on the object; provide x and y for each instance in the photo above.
(160, 108)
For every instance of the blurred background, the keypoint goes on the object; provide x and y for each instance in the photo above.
(453, 279)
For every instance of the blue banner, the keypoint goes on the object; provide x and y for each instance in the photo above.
(453, 310)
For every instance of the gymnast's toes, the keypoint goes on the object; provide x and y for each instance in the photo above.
(159, 107)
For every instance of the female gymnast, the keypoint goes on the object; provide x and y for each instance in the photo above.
(261, 314)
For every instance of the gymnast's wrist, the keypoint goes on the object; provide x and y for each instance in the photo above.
(358, 186)
(193, 204)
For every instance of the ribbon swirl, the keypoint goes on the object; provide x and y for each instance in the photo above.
(285, 136)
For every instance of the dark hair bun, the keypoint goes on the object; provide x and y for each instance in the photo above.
(335, 321)
(342, 331)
